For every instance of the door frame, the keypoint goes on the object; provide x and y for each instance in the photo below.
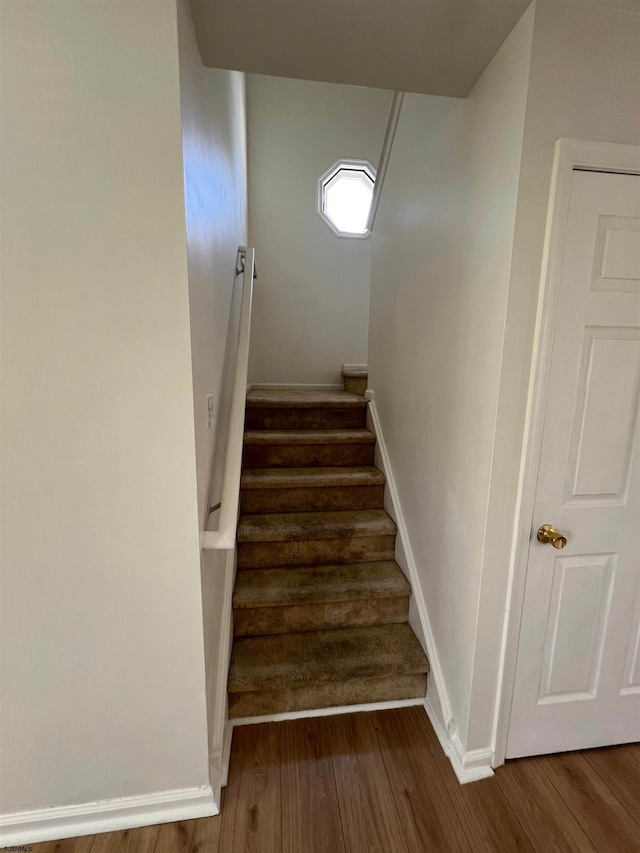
(570, 155)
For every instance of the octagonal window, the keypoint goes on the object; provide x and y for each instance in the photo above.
(344, 197)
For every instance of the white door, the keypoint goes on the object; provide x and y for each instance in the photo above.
(577, 682)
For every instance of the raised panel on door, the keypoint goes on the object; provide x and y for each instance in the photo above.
(576, 626)
(605, 416)
(631, 678)
(616, 261)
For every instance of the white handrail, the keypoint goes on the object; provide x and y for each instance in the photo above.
(387, 145)
(224, 538)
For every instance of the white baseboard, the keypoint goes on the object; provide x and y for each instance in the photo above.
(292, 386)
(226, 752)
(436, 724)
(434, 710)
(471, 765)
(328, 712)
(219, 763)
(106, 816)
(406, 559)
(221, 730)
(468, 766)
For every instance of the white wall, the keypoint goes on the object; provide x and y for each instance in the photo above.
(440, 274)
(215, 179)
(584, 84)
(312, 295)
(101, 648)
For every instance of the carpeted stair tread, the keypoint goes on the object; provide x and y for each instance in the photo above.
(303, 526)
(355, 381)
(309, 478)
(308, 436)
(330, 694)
(301, 448)
(285, 661)
(319, 616)
(319, 584)
(273, 398)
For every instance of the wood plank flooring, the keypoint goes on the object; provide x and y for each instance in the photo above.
(380, 783)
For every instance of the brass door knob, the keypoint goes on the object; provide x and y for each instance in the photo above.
(548, 535)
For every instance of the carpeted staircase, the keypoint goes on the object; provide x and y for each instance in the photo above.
(320, 607)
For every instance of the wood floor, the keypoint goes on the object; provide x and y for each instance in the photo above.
(380, 783)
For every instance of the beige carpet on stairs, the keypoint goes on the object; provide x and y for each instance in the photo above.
(320, 606)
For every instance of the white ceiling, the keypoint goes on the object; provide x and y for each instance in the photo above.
(438, 47)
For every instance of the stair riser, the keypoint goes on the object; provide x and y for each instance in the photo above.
(333, 694)
(312, 499)
(355, 385)
(285, 418)
(315, 552)
(307, 455)
(317, 617)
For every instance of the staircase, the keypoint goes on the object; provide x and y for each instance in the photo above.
(320, 607)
